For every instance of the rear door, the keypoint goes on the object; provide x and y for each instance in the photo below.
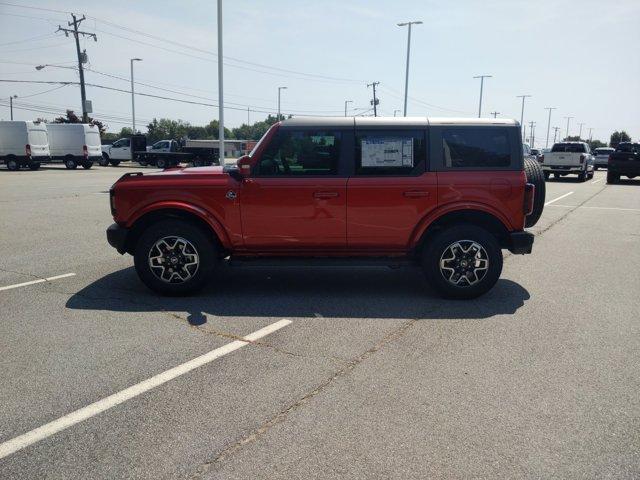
(390, 189)
(92, 141)
(295, 198)
(38, 140)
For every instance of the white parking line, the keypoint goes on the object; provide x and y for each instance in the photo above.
(33, 282)
(596, 181)
(599, 208)
(51, 428)
(556, 199)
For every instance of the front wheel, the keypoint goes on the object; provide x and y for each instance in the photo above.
(34, 165)
(87, 164)
(174, 257)
(114, 163)
(462, 262)
(104, 161)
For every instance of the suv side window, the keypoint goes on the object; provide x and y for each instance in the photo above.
(469, 147)
(301, 153)
(390, 152)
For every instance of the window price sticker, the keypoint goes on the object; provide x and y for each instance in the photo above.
(387, 152)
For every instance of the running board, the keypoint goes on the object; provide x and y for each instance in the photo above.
(320, 262)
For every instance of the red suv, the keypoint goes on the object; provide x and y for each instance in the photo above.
(445, 194)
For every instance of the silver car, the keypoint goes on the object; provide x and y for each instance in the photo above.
(601, 157)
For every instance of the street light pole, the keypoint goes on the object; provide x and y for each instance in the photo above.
(546, 145)
(522, 112)
(406, 76)
(481, 77)
(220, 89)
(580, 134)
(279, 89)
(133, 103)
(345, 106)
(11, 104)
(567, 135)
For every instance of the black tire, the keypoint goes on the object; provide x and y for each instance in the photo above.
(198, 162)
(582, 176)
(591, 174)
(114, 163)
(143, 163)
(12, 164)
(34, 165)
(612, 177)
(87, 164)
(70, 163)
(536, 176)
(557, 176)
(162, 163)
(595, 169)
(546, 175)
(467, 235)
(104, 161)
(197, 239)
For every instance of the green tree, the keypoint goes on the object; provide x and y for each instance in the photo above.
(593, 144)
(617, 137)
(71, 117)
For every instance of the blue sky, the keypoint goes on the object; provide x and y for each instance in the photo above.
(579, 56)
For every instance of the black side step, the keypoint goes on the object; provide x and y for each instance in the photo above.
(390, 262)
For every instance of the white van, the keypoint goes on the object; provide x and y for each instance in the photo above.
(23, 144)
(74, 144)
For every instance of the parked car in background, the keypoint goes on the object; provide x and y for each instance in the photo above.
(526, 152)
(601, 157)
(116, 152)
(337, 190)
(568, 158)
(625, 160)
(74, 144)
(537, 153)
(23, 144)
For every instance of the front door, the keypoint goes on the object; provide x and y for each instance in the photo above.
(390, 190)
(295, 199)
(121, 150)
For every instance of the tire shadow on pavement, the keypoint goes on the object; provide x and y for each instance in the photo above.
(295, 292)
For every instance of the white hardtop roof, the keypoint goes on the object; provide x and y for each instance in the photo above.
(393, 121)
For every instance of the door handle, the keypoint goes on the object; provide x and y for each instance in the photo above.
(416, 193)
(325, 194)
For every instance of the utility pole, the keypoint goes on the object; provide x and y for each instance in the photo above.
(406, 76)
(345, 106)
(220, 89)
(546, 145)
(522, 113)
(567, 118)
(531, 133)
(481, 77)
(133, 102)
(590, 135)
(248, 120)
(11, 104)
(495, 114)
(555, 133)
(580, 134)
(82, 57)
(279, 89)
(375, 101)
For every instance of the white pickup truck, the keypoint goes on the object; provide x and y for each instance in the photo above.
(567, 158)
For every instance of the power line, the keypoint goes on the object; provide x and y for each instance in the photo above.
(36, 38)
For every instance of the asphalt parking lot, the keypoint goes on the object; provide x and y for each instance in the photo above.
(360, 373)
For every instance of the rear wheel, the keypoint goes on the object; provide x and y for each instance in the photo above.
(70, 163)
(463, 261)
(536, 176)
(162, 163)
(12, 164)
(34, 165)
(612, 177)
(174, 257)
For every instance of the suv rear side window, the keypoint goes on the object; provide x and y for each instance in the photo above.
(476, 147)
(301, 152)
(569, 148)
(392, 152)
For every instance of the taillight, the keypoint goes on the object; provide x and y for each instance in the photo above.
(529, 195)
(85, 151)
(582, 157)
(27, 150)
(112, 201)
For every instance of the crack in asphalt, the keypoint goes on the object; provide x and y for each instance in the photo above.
(283, 414)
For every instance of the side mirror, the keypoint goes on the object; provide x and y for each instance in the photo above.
(244, 166)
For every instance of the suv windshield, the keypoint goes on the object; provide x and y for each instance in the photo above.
(568, 147)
